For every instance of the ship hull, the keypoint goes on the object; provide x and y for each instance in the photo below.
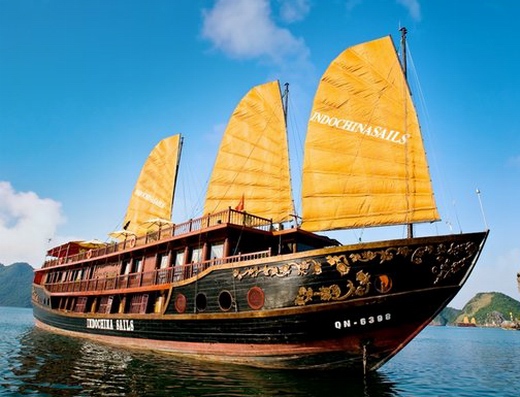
(351, 307)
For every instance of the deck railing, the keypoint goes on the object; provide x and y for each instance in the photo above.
(229, 216)
(156, 277)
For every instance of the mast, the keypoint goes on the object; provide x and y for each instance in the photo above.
(181, 142)
(404, 66)
(403, 46)
(285, 97)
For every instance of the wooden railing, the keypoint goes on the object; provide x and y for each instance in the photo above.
(146, 279)
(229, 216)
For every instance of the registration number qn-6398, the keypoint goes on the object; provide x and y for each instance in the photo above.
(362, 321)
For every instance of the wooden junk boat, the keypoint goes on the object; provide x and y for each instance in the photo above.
(249, 283)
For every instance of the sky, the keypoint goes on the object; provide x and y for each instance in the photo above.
(88, 87)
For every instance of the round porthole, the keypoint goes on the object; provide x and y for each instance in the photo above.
(180, 303)
(225, 301)
(201, 302)
(383, 283)
(256, 298)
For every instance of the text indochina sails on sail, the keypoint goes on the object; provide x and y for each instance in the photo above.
(375, 131)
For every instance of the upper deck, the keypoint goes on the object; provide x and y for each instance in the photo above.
(219, 225)
(77, 251)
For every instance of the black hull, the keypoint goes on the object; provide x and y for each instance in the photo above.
(317, 339)
(352, 307)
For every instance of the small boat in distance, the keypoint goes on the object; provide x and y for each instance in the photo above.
(466, 322)
(247, 282)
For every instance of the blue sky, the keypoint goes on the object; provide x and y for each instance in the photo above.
(87, 88)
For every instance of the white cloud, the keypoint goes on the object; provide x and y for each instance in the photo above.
(294, 10)
(27, 222)
(413, 7)
(244, 29)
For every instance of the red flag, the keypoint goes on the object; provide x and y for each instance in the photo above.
(240, 206)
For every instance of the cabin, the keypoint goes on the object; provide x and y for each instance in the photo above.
(134, 275)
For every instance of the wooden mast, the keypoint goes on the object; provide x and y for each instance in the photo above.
(404, 66)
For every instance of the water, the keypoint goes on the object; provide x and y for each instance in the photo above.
(441, 361)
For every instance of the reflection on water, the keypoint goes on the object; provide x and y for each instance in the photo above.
(53, 365)
(441, 361)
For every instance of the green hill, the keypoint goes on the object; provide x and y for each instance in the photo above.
(487, 308)
(491, 308)
(15, 285)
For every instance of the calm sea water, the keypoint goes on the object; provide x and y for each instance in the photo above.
(441, 361)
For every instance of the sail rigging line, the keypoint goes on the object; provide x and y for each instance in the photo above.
(296, 145)
(482, 209)
(193, 195)
(235, 250)
(444, 191)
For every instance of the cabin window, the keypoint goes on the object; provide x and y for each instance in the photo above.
(179, 258)
(126, 267)
(196, 255)
(105, 304)
(217, 251)
(305, 247)
(162, 261)
(179, 263)
(81, 304)
(138, 266)
(162, 264)
(196, 259)
(139, 303)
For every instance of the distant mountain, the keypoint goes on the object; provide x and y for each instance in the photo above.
(447, 316)
(486, 308)
(15, 284)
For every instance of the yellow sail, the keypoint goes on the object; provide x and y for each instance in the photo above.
(152, 198)
(364, 161)
(251, 171)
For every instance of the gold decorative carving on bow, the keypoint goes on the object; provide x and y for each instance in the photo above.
(341, 263)
(448, 260)
(303, 268)
(384, 255)
(334, 292)
(452, 259)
